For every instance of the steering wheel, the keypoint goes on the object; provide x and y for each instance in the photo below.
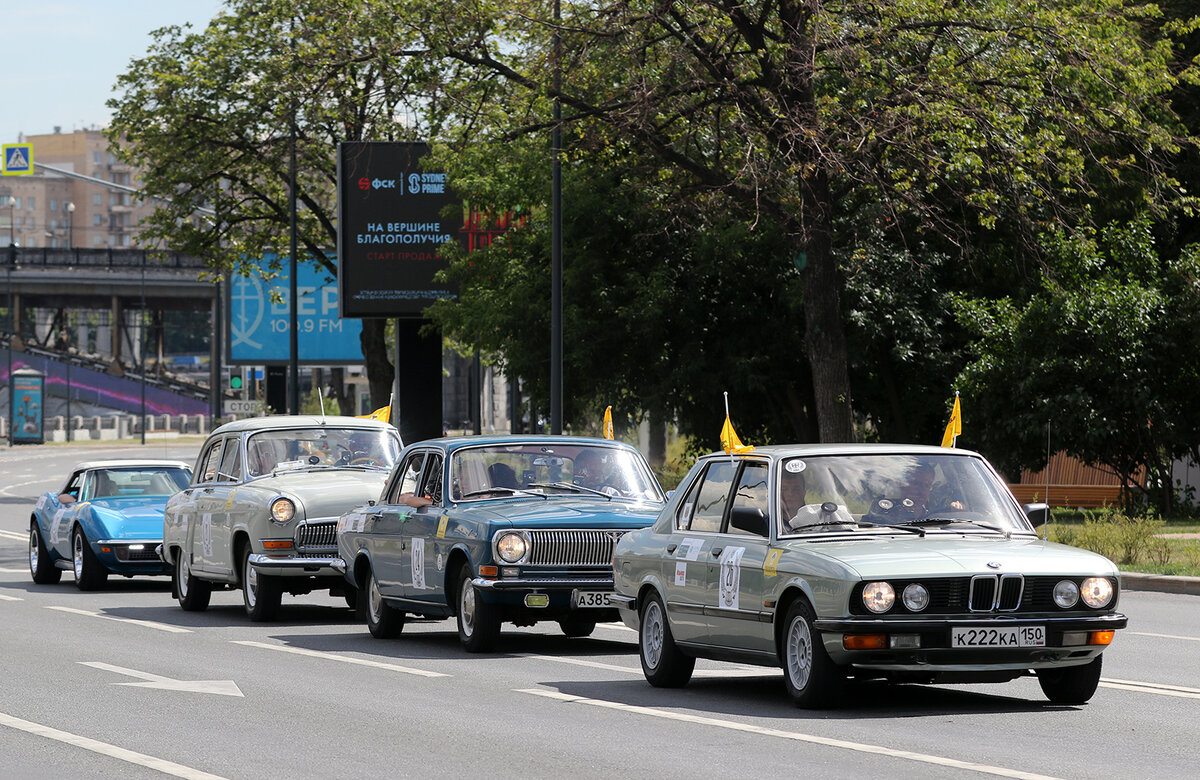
(364, 460)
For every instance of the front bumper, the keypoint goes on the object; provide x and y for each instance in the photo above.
(294, 566)
(131, 556)
(542, 584)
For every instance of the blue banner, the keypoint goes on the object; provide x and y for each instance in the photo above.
(27, 408)
(258, 320)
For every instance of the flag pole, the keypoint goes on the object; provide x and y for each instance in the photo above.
(954, 440)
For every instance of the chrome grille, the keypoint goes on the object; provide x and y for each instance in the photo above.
(316, 538)
(990, 592)
(983, 593)
(572, 547)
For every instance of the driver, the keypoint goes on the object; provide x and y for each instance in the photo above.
(916, 492)
(592, 473)
(791, 493)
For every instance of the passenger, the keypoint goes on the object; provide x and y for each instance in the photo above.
(501, 475)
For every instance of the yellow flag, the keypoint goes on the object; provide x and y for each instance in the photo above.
(730, 441)
(383, 413)
(608, 429)
(954, 427)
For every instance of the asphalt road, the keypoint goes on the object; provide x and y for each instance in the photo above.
(122, 683)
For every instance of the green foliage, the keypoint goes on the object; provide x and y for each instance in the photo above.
(1121, 538)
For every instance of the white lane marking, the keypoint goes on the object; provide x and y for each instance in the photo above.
(609, 626)
(218, 687)
(103, 748)
(132, 621)
(10, 598)
(343, 658)
(860, 747)
(741, 671)
(14, 535)
(1161, 689)
(1165, 636)
(14, 571)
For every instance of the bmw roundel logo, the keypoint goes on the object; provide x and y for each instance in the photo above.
(993, 564)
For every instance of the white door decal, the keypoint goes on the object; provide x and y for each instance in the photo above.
(418, 563)
(731, 577)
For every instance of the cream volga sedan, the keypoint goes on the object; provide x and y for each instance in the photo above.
(911, 564)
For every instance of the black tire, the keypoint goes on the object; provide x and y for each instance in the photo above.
(383, 620)
(663, 663)
(351, 597)
(261, 595)
(1071, 684)
(478, 621)
(577, 626)
(191, 592)
(90, 574)
(813, 680)
(42, 569)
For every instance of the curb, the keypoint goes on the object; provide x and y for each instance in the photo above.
(1162, 583)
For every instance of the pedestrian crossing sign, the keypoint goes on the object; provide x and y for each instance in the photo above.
(18, 159)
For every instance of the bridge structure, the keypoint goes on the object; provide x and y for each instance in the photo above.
(114, 351)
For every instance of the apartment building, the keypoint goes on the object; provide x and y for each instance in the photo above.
(47, 209)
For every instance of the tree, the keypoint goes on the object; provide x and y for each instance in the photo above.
(931, 119)
(207, 117)
(1105, 354)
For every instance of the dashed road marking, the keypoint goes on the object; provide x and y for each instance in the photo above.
(132, 621)
(346, 659)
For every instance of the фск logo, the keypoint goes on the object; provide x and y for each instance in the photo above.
(379, 184)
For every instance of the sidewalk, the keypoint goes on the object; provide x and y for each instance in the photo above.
(1162, 583)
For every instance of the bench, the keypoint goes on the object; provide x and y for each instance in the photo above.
(1069, 495)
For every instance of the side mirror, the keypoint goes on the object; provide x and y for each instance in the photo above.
(750, 519)
(1038, 514)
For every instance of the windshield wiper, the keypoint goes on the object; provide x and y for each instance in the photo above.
(571, 487)
(502, 490)
(897, 526)
(942, 520)
(806, 526)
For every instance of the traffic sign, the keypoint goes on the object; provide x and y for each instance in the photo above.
(18, 159)
(238, 406)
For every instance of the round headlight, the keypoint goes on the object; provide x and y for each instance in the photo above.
(510, 547)
(1066, 594)
(1097, 592)
(916, 597)
(878, 596)
(282, 510)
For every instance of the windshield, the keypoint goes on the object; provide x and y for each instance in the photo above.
(550, 470)
(924, 492)
(294, 448)
(149, 481)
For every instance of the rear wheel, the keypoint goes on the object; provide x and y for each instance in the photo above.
(813, 680)
(478, 621)
(663, 663)
(383, 620)
(261, 594)
(577, 626)
(90, 574)
(40, 566)
(1072, 684)
(191, 592)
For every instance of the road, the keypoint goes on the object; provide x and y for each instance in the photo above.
(121, 682)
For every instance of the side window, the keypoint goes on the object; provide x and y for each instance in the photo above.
(73, 486)
(712, 497)
(410, 475)
(231, 461)
(748, 513)
(431, 485)
(210, 463)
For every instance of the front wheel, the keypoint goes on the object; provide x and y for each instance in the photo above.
(813, 680)
(478, 621)
(1072, 684)
(191, 592)
(261, 594)
(40, 566)
(90, 574)
(383, 620)
(663, 663)
(577, 626)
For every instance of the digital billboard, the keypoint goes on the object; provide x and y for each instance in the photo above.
(390, 226)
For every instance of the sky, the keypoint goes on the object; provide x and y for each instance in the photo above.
(62, 57)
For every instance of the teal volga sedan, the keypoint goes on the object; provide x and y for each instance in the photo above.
(910, 564)
(489, 530)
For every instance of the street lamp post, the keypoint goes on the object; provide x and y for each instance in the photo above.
(70, 223)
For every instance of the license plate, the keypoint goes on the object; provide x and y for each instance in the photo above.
(1017, 636)
(585, 599)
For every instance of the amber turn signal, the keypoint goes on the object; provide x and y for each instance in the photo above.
(1101, 637)
(277, 544)
(864, 641)
(488, 571)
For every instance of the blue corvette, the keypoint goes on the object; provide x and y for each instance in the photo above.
(107, 520)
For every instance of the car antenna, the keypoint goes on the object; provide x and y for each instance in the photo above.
(321, 398)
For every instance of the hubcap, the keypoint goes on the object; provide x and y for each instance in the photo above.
(77, 548)
(652, 635)
(184, 572)
(799, 653)
(251, 585)
(375, 601)
(33, 550)
(466, 608)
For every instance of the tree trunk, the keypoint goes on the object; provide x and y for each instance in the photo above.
(380, 372)
(656, 441)
(824, 336)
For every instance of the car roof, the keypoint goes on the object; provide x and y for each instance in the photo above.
(812, 450)
(279, 421)
(131, 463)
(458, 442)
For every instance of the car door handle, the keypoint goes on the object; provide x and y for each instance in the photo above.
(716, 551)
(672, 548)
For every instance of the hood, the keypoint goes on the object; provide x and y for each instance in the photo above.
(133, 517)
(916, 557)
(565, 513)
(324, 493)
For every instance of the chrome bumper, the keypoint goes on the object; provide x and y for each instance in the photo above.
(902, 625)
(484, 583)
(623, 602)
(292, 565)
